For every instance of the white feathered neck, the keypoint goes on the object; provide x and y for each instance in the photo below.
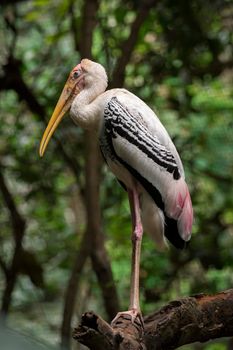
(86, 107)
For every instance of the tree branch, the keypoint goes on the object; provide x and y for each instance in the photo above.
(18, 226)
(18, 223)
(4, 267)
(73, 25)
(89, 22)
(97, 334)
(102, 267)
(72, 289)
(129, 44)
(193, 319)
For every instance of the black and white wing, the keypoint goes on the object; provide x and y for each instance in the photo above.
(127, 140)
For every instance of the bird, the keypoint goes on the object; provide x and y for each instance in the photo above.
(139, 152)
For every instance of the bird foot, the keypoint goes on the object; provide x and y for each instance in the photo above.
(134, 315)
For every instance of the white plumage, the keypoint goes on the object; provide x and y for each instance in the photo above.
(140, 129)
(138, 150)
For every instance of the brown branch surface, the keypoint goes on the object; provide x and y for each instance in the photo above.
(193, 319)
(97, 334)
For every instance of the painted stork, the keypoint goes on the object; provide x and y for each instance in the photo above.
(139, 151)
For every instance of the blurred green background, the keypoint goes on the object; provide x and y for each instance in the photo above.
(64, 220)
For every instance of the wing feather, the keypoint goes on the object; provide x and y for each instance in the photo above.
(157, 167)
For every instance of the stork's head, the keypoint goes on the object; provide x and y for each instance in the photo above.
(84, 76)
(94, 74)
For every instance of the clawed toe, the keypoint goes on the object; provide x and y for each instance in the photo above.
(134, 315)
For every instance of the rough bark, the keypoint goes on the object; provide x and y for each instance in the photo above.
(193, 319)
(97, 334)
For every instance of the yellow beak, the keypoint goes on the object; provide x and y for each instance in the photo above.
(68, 94)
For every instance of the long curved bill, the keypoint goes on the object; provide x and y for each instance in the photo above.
(63, 105)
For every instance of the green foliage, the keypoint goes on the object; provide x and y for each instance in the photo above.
(179, 66)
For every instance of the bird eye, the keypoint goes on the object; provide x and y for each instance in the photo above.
(76, 74)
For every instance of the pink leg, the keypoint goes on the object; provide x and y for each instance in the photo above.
(136, 249)
(137, 232)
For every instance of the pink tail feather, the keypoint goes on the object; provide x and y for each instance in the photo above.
(185, 220)
(178, 206)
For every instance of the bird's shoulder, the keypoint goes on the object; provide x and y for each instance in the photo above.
(138, 110)
(134, 105)
(122, 104)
